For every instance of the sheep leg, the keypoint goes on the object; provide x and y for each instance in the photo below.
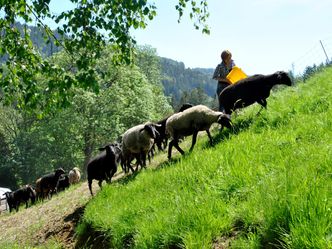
(90, 185)
(176, 145)
(127, 164)
(143, 156)
(100, 184)
(131, 168)
(209, 135)
(113, 172)
(138, 162)
(193, 140)
(165, 143)
(170, 145)
(263, 103)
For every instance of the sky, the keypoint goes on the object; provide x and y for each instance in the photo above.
(264, 36)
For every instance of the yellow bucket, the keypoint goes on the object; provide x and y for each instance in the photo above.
(236, 74)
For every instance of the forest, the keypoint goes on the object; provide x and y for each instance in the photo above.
(33, 143)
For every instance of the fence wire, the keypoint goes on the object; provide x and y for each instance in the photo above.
(313, 56)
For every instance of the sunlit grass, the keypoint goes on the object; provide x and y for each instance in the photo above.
(266, 184)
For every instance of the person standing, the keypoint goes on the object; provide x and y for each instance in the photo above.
(222, 71)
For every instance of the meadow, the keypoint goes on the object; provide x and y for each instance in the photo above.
(265, 184)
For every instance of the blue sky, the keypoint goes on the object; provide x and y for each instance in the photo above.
(263, 35)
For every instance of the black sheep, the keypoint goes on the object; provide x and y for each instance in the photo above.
(103, 166)
(250, 90)
(24, 194)
(63, 183)
(49, 182)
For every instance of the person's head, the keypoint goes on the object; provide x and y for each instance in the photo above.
(226, 56)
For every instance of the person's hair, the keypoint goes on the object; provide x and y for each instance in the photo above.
(225, 54)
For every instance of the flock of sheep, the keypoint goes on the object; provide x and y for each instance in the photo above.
(46, 186)
(139, 141)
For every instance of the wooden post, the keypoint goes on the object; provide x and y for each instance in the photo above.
(327, 58)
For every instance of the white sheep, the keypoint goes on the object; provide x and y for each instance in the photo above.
(74, 175)
(137, 142)
(190, 122)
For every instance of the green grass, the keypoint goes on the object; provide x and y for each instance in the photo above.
(267, 184)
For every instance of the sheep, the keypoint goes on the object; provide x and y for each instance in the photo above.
(74, 175)
(39, 194)
(63, 183)
(137, 142)
(46, 185)
(103, 166)
(162, 140)
(250, 90)
(190, 122)
(24, 194)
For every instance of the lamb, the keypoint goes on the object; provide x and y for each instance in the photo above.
(137, 142)
(46, 185)
(103, 166)
(250, 90)
(190, 122)
(24, 194)
(74, 175)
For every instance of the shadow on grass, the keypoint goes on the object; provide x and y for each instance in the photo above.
(225, 134)
(92, 238)
(170, 162)
(128, 178)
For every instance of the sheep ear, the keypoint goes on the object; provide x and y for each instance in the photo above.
(158, 125)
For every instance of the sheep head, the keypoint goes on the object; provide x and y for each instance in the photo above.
(151, 130)
(110, 153)
(225, 120)
(59, 172)
(283, 78)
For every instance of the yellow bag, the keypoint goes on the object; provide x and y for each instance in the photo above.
(235, 75)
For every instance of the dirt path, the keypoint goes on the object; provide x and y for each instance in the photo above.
(54, 219)
(51, 220)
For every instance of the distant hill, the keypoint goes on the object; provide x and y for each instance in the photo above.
(177, 78)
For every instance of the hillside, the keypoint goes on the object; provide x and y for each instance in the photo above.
(178, 79)
(267, 184)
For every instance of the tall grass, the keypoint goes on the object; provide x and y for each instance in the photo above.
(267, 184)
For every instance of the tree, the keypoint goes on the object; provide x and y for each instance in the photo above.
(31, 147)
(85, 31)
(196, 96)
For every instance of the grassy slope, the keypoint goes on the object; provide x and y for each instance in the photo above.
(267, 184)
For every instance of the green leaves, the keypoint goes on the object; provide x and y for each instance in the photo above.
(84, 32)
(198, 14)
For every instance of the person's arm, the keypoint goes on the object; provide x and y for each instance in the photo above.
(216, 75)
(225, 80)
